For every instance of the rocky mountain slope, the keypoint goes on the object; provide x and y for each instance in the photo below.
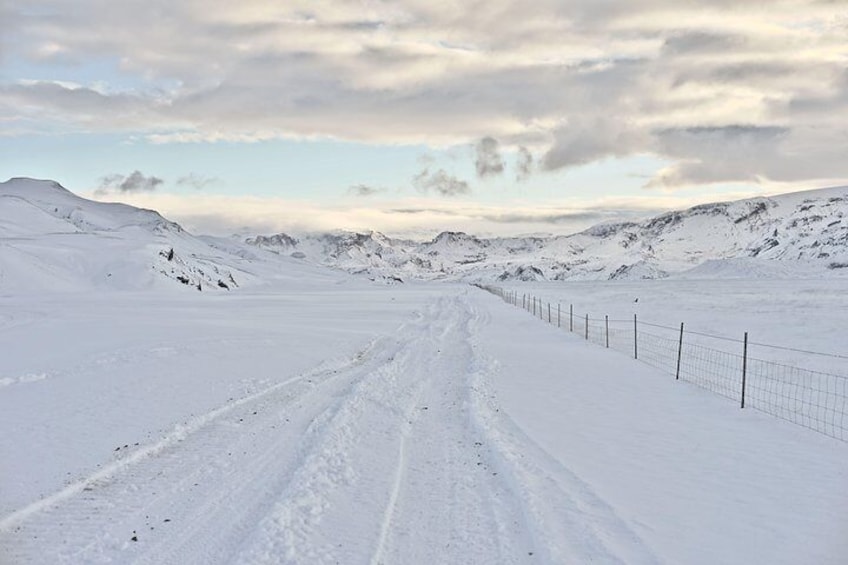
(798, 233)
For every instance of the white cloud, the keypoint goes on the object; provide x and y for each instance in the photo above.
(590, 79)
(405, 217)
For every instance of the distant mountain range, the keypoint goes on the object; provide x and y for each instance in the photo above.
(792, 234)
(51, 239)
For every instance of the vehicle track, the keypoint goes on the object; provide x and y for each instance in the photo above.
(399, 454)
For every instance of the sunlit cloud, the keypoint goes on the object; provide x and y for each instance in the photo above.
(576, 82)
(403, 217)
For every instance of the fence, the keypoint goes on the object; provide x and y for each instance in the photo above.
(813, 399)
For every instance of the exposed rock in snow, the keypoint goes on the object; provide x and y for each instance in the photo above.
(808, 228)
(52, 239)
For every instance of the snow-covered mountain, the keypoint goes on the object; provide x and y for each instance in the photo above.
(798, 233)
(51, 239)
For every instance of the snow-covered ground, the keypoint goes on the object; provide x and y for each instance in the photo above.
(801, 314)
(289, 413)
(344, 422)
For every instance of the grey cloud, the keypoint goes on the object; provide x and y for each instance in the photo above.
(697, 42)
(135, 182)
(362, 25)
(64, 105)
(564, 217)
(488, 159)
(551, 218)
(746, 153)
(364, 190)
(584, 140)
(593, 78)
(827, 103)
(523, 164)
(196, 181)
(412, 211)
(716, 154)
(440, 182)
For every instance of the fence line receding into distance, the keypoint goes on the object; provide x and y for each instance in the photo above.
(813, 399)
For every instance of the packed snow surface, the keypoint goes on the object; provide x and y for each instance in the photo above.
(313, 416)
(381, 425)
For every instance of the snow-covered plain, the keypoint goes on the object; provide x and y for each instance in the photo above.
(312, 416)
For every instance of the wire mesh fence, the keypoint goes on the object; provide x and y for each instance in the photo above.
(813, 399)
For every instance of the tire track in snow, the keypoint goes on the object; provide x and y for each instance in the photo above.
(113, 491)
(393, 477)
(575, 523)
(399, 455)
(385, 526)
(337, 491)
(450, 507)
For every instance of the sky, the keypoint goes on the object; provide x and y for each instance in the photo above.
(415, 116)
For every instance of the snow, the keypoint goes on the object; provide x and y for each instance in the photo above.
(800, 234)
(311, 416)
(694, 477)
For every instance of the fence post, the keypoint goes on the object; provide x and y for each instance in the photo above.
(635, 339)
(571, 317)
(524, 302)
(558, 316)
(679, 353)
(587, 327)
(744, 367)
(534, 306)
(606, 326)
(549, 312)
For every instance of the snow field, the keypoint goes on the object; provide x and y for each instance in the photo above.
(346, 423)
(695, 478)
(800, 386)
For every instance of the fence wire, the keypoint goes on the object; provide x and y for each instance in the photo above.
(813, 399)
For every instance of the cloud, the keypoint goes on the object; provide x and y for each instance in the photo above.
(488, 159)
(523, 164)
(584, 140)
(135, 182)
(700, 42)
(196, 181)
(440, 182)
(752, 154)
(204, 213)
(577, 81)
(364, 190)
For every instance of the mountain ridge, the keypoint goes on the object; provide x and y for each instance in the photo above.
(53, 239)
(806, 227)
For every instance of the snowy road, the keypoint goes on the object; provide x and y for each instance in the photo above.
(395, 456)
(405, 452)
